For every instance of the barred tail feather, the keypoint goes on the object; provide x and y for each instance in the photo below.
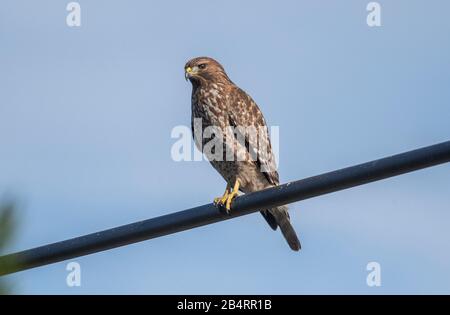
(282, 217)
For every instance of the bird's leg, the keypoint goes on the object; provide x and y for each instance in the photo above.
(223, 199)
(231, 195)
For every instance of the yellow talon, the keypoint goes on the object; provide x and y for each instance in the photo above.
(223, 199)
(231, 195)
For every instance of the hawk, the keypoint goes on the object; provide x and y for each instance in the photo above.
(220, 104)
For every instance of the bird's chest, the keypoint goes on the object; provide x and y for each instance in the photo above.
(209, 105)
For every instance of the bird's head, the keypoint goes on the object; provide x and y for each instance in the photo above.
(204, 70)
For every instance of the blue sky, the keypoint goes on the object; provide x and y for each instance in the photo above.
(86, 115)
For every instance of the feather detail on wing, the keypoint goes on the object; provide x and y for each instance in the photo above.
(243, 113)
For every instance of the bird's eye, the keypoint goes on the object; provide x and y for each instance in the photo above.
(202, 66)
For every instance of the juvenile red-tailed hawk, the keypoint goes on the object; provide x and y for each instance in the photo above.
(219, 104)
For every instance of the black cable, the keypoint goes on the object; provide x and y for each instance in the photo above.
(207, 214)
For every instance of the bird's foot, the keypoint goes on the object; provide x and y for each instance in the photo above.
(227, 198)
(220, 201)
(223, 199)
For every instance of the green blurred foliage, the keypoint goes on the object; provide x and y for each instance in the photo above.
(7, 226)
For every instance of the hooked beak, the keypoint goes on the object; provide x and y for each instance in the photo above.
(187, 73)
